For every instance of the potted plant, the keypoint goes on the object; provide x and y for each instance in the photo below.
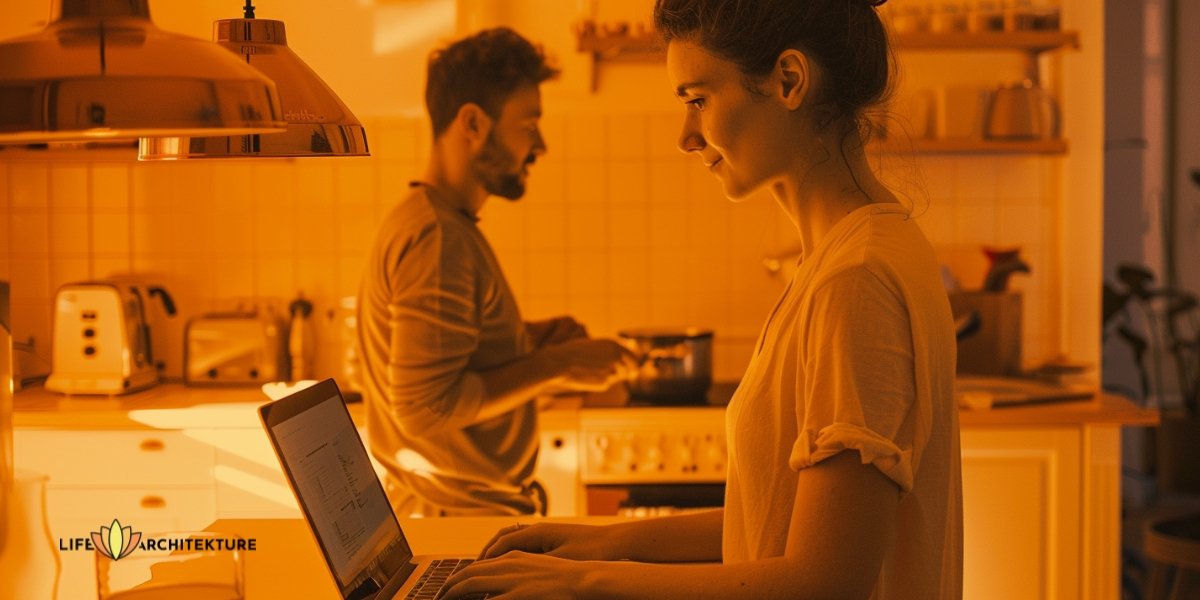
(1161, 327)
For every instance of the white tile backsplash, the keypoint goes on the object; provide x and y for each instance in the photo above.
(28, 185)
(110, 186)
(617, 227)
(110, 234)
(29, 232)
(68, 187)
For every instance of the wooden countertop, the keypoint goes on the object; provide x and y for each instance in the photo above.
(176, 406)
(286, 562)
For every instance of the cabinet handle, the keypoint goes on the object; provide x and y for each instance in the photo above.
(152, 445)
(153, 502)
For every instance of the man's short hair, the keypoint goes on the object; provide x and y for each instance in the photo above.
(484, 68)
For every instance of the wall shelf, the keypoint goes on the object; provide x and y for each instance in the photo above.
(622, 43)
(972, 146)
(1029, 41)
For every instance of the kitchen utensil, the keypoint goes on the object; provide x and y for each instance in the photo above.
(102, 338)
(675, 364)
(1002, 263)
(1022, 111)
(246, 348)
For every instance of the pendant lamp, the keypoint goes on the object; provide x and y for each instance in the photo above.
(102, 70)
(318, 122)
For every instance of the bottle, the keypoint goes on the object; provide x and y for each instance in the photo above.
(300, 339)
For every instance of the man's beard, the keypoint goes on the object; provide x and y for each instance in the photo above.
(494, 166)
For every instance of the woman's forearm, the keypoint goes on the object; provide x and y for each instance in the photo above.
(761, 580)
(692, 537)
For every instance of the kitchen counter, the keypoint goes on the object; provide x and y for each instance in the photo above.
(1040, 482)
(176, 406)
(288, 564)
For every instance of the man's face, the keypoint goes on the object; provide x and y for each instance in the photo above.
(513, 143)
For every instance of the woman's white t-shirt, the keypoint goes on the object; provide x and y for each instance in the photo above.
(859, 353)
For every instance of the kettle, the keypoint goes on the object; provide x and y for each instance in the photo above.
(1021, 111)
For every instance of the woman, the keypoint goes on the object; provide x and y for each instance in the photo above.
(844, 473)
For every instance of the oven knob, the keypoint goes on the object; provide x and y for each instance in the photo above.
(599, 451)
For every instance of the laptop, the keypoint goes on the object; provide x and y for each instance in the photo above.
(343, 502)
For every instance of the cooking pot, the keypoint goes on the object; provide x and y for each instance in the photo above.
(674, 364)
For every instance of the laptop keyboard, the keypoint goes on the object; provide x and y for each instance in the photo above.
(431, 581)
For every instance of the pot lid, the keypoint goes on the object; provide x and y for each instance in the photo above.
(666, 334)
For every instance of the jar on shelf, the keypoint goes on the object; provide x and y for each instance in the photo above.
(947, 17)
(985, 16)
(1018, 15)
(910, 18)
(1045, 15)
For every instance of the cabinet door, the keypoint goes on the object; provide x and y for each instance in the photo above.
(76, 512)
(152, 481)
(1021, 513)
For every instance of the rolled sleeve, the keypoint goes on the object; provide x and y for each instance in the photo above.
(813, 446)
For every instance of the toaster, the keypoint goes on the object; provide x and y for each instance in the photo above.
(102, 338)
(234, 348)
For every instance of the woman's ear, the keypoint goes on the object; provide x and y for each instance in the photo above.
(794, 77)
(474, 122)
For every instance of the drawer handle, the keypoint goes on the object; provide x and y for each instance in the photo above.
(152, 445)
(153, 502)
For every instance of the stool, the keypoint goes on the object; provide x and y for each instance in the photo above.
(1173, 543)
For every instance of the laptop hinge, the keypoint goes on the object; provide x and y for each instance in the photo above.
(366, 590)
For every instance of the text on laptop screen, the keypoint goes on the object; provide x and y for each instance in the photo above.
(336, 484)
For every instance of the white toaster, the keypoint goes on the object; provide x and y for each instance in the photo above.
(101, 340)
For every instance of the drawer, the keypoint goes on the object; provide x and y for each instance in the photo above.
(75, 513)
(108, 458)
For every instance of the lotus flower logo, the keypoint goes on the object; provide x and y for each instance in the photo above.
(114, 541)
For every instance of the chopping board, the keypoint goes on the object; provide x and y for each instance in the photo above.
(999, 392)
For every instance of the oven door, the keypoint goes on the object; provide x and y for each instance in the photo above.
(653, 499)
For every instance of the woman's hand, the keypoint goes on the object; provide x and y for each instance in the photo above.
(561, 540)
(520, 575)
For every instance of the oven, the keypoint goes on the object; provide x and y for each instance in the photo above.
(608, 456)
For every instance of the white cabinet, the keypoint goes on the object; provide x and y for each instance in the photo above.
(1041, 512)
(152, 481)
(249, 481)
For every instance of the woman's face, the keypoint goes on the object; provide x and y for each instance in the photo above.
(741, 136)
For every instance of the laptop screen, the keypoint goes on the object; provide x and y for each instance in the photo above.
(335, 484)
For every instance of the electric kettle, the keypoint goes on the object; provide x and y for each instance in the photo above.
(1021, 111)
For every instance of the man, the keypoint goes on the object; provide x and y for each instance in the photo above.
(450, 371)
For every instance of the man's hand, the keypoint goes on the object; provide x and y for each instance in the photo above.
(554, 331)
(587, 365)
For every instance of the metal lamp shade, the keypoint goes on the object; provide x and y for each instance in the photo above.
(102, 70)
(318, 122)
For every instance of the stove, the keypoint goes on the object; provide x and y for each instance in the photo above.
(611, 455)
